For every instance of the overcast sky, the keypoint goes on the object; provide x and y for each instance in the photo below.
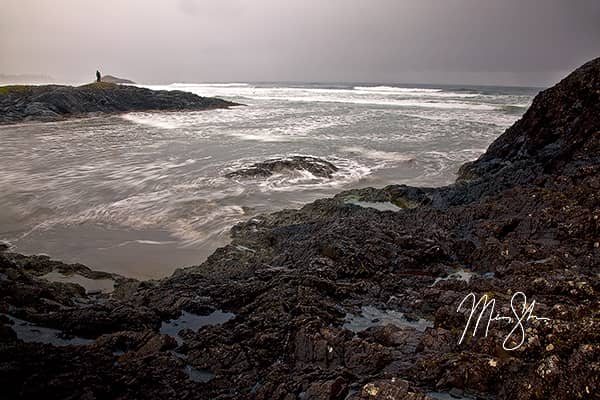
(511, 42)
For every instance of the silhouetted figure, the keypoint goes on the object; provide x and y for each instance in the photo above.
(98, 76)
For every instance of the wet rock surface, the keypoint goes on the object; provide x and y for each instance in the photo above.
(519, 219)
(54, 102)
(313, 165)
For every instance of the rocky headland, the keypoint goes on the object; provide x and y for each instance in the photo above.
(115, 79)
(20, 103)
(340, 300)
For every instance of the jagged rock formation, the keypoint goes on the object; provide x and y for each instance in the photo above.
(53, 102)
(337, 301)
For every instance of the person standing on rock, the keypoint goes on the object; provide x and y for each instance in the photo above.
(98, 76)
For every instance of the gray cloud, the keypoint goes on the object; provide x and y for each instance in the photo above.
(524, 42)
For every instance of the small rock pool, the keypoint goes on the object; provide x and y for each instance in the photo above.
(371, 316)
(194, 322)
(32, 333)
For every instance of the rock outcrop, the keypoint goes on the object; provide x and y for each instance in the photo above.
(315, 166)
(335, 301)
(53, 102)
(114, 79)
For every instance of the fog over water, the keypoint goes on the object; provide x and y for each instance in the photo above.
(508, 42)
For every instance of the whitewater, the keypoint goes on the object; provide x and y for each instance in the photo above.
(144, 193)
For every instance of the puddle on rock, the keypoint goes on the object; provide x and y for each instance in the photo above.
(178, 354)
(198, 375)
(32, 333)
(371, 316)
(460, 275)
(90, 285)
(194, 322)
(378, 205)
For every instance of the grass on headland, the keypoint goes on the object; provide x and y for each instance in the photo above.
(14, 89)
(22, 89)
(100, 85)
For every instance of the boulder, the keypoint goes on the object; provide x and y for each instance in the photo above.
(316, 166)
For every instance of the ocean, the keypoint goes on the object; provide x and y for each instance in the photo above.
(144, 193)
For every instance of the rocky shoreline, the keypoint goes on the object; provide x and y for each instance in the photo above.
(20, 103)
(340, 300)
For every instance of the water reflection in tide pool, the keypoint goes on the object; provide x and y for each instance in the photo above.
(91, 286)
(194, 322)
(30, 332)
(198, 375)
(371, 316)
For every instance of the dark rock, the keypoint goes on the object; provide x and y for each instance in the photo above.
(316, 166)
(329, 390)
(53, 102)
(4, 246)
(388, 389)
